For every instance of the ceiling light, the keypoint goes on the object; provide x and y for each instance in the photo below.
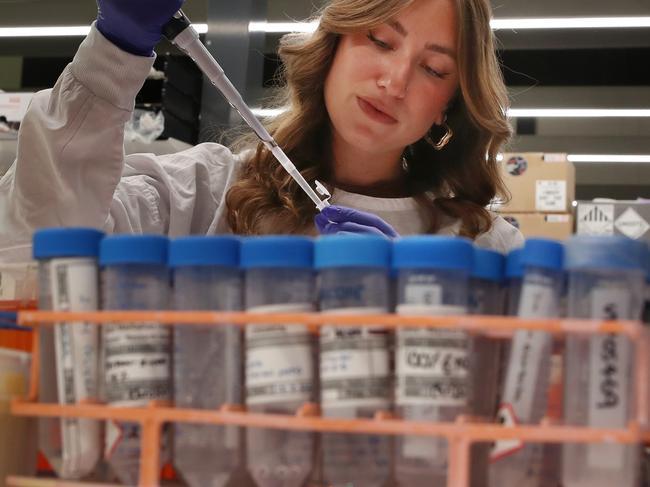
(496, 24)
(66, 31)
(531, 112)
(604, 158)
(609, 158)
(69, 31)
(282, 27)
(577, 113)
(571, 23)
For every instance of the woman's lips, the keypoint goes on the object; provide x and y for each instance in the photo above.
(374, 113)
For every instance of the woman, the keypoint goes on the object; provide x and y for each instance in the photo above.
(398, 105)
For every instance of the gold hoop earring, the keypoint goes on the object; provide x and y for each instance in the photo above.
(444, 140)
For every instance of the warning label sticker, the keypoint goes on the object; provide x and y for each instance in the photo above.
(7, 287)
(503, 448)
(631, 224)
(595, 219)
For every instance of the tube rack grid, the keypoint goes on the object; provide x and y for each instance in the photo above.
(460, 434)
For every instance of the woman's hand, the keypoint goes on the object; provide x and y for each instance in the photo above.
(339, 219)
(135, 26)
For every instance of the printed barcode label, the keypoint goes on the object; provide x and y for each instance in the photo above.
(279, 359)
(137, 362)
(431, 365)
(354, 364)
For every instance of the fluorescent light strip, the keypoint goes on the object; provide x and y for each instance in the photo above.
(578, 113)
(67, 31)
(605, 158)
(282, 27)
(532, 112)
(570, 23)
(624, 158)
(496, 24)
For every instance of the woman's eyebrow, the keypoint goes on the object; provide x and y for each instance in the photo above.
(399, 28)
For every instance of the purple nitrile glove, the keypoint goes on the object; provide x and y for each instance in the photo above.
(340, 219)
(135, 26)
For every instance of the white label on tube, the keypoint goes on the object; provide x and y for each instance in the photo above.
(137, 363)
(609, 366)
(279, 358)
(354, 364)
(538, 298)
(431, 365)
(74, 287)
(527, 353)
(7, 286)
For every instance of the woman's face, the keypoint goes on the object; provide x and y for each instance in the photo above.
(389, 85)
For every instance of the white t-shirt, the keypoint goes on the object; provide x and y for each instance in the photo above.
(71, 169)
(408, 217)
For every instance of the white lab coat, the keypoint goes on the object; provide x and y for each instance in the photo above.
(71, 169)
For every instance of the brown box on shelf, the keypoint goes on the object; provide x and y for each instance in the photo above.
(538, 182)
(557, 226)
(614, 217)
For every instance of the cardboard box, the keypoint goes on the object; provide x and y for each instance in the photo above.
(538, 182)
(614, 217)
(557, 226)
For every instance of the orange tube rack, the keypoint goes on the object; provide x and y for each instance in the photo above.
(460, 434)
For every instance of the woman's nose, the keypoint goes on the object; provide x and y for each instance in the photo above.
(396, 78)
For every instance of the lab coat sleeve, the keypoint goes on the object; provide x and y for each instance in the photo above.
(70, 146)
(71, 169)
(502, 237)
(175, 194)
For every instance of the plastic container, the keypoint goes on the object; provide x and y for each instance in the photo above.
(207, 277)
(606, 281)
(18, 278)
(355, 372)
(280, 365)
(525, 390)
(432, 380)
(486, 297)
(136, 357)
(514, 273)
(68, 281)
(18, 291)
(17, 434)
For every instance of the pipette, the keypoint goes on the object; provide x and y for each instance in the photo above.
(179, 31)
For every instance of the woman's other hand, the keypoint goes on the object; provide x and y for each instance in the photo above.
(135, 26)
(339, 219)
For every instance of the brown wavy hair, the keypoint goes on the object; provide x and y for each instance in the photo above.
(456, 182)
